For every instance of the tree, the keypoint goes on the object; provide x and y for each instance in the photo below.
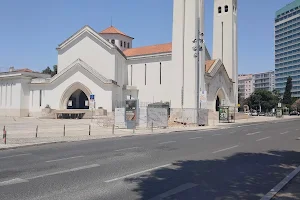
(296, 105)
(262, 98)
(49, 71)
(287, 96)
(54, 72)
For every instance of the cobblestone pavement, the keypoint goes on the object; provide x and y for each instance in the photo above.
(23, 131)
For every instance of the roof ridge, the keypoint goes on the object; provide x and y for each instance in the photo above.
(113, 30)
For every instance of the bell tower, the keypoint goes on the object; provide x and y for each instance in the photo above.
(185, 23)
(225, 38)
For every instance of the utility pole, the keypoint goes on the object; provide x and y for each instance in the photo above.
(197, 48)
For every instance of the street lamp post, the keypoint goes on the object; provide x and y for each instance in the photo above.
(197, 48)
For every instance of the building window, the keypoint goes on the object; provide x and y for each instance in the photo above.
(113, 41)
(128, 45)
(11, 94)
(40, 97)
(125, 44)
(219, 9)
(226, 8)
(145, 74)
(6, 94)
(121, 43)
(32, 93)
(160, 73)
(131, 76)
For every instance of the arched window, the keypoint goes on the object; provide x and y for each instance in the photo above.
(128, 45)
(113, 41)
(124, 44)
(226, 8)
(219, 9)
(121, 43)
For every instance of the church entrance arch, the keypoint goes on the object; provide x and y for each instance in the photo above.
(76, 96)
(218, 99)
(78, 100)
(217, 104)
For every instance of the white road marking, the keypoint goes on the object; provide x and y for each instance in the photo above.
(280, 185)
(64, 159)
(232, 132)
(24, 154)
(167, 142)
(128, 149)
(253, 133)
(20, 180)
(137, 173)
(13, 181)
(297, 129)
(284, 133)
(174, 191)
(195, 138)
(65, 171)
(262, 139)
(226, 149)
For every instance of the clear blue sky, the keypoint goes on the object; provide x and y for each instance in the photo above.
(32, 29)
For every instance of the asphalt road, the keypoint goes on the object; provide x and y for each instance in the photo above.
(240, 162)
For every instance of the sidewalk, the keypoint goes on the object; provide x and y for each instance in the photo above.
(22, 131)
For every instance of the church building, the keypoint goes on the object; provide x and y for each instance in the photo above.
(105, 64)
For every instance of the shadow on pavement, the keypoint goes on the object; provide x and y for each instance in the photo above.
(241, 176)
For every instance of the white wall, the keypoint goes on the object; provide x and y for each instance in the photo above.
(213, 84)
(225, 38)
(52, 93)
(184, 70)
(153, 90)
(10, 96)
(91, 51)
(118, 38)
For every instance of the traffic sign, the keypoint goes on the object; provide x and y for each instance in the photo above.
(92, 97)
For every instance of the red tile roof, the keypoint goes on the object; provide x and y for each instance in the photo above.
(146, 50)
(23, 70)
(209, 64)
(113, 30)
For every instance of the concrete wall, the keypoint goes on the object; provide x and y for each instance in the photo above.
(91, 51)
(219, 85)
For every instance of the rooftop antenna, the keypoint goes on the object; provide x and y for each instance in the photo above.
(111, 22)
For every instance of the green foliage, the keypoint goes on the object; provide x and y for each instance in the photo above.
(296, 105)
(49, 71)
(287, 96)
(266, 99)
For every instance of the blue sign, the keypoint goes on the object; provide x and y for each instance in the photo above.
(92, 97)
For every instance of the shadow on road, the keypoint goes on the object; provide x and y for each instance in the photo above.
(241, 176)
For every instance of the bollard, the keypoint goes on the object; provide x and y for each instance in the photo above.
(152, 127)
(89, 129)
(3, 131)
(36, 131)
(4, 135)
(64, 130)
(113, 129)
